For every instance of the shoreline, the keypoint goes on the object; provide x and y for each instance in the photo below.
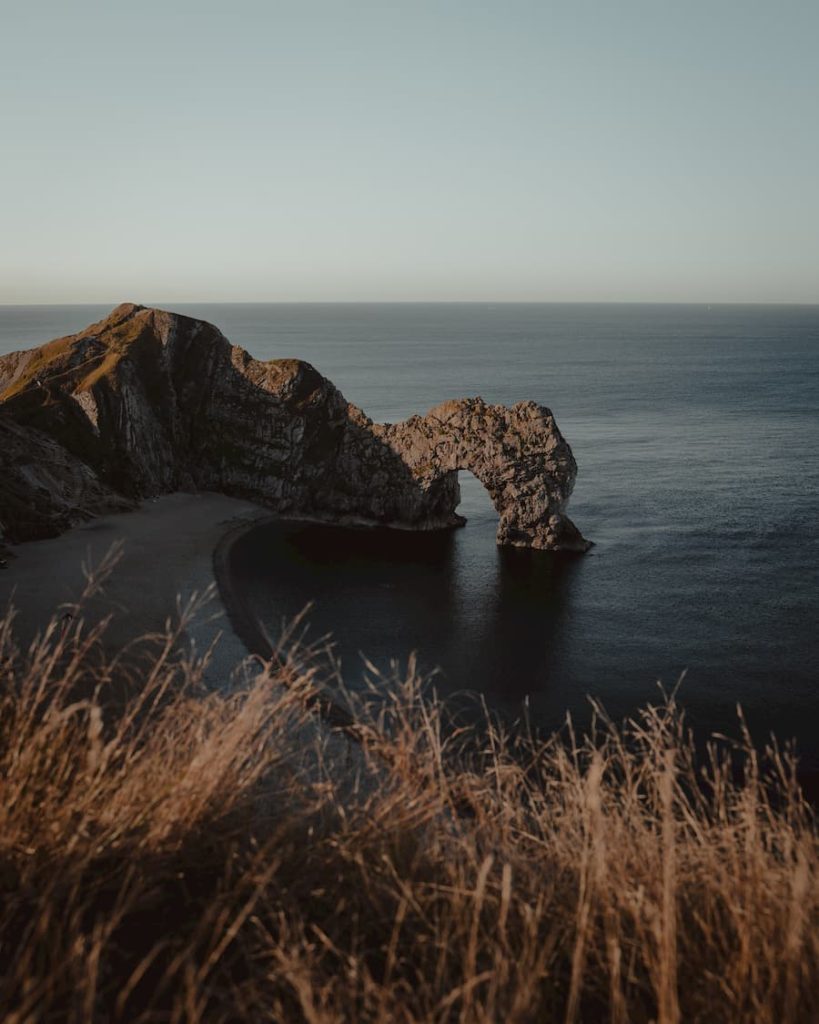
(248, 630)
(174, 545)
(167, 554)
(244, 625)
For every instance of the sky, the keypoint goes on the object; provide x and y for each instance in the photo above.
(255, 150)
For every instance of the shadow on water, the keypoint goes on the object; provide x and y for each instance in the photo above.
(526, 617)
(492, 628)
(499, 629)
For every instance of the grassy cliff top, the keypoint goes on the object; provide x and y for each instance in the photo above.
(79, 360)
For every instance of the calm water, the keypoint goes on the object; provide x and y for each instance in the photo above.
(696, 431)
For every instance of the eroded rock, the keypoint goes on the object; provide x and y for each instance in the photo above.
(147, 402)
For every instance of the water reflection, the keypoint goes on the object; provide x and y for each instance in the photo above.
(495, 628)
(524, 627)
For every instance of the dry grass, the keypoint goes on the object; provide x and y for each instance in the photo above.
(190, 857)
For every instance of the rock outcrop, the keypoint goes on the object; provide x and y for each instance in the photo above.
(147, 402)
(517, 453)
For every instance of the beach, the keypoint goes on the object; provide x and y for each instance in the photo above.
(172, 548)
(167, 554)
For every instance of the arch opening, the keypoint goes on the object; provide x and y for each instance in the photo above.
(475, 504)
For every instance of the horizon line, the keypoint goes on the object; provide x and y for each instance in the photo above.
(419, 302)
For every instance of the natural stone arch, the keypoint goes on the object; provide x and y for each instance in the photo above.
(517, 453)
(147, 401)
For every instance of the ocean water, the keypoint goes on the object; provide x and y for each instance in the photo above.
(696, 431)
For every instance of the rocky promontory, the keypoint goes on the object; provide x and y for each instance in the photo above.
(148, 402)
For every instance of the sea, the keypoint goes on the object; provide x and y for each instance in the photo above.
(696, 433)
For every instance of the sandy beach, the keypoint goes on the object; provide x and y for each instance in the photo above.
(167, 553)
(169, 549)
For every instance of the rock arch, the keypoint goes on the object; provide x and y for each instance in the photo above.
(147, 402)
(516, 452)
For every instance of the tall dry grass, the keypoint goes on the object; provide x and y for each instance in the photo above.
(185, 855)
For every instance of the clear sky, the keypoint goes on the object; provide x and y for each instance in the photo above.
(258, 150)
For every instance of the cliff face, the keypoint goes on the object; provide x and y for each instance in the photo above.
(147, 402)
(44, 489)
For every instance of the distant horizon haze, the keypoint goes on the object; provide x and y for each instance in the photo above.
(274, 151)
(170, 304)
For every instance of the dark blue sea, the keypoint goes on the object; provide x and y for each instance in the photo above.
(696, 432)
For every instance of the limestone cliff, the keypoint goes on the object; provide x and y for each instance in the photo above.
(147, 402)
